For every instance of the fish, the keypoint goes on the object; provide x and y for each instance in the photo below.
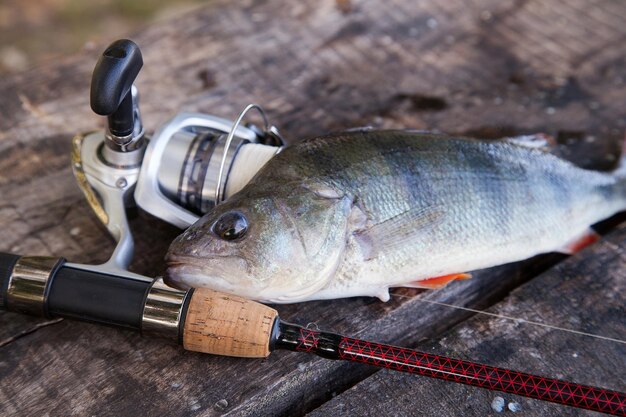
(359, 212)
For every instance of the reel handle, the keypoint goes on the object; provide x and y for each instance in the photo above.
(111, 84)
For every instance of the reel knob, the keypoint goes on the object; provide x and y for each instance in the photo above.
(111, 86)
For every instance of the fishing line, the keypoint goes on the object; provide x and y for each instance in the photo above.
(519, 320)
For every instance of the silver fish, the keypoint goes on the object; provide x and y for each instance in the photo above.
(355, 213)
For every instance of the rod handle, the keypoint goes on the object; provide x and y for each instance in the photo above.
(224, 324)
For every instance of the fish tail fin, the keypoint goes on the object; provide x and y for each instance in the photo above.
(621, 168)
(620, 172)
(618, 187)
(612, 187)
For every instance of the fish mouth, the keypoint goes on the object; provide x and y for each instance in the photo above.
(178, 272)
(178, 260)
(187, 272)
(177, 268)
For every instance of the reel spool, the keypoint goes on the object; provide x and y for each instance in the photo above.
(195, 161)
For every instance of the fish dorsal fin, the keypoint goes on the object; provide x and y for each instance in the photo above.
(398, 230)
(360, 129)
(537, 141)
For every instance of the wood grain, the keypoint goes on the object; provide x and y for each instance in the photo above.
(482, 68)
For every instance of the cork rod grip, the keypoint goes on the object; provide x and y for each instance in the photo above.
(224, 324)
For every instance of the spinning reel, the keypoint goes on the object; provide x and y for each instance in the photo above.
(190, 164)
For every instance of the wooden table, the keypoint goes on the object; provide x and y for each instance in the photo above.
(486, 68)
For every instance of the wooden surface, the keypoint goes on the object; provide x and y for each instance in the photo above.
(485, 68)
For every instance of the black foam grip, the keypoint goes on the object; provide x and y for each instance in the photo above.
(7, 262)
(97, 297)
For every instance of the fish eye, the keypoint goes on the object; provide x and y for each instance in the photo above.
(231, 226)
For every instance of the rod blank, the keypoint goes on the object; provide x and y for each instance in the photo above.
(334, 346)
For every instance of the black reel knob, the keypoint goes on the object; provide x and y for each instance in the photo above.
(111, 85)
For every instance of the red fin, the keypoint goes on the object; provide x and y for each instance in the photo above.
(588, 238)
(437, 282)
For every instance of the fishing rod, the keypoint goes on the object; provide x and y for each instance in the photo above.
(203, 320)
(185, 168)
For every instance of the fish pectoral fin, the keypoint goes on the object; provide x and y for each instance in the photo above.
(580, 242)
(398, 230)
(537, 141)
(437, 282)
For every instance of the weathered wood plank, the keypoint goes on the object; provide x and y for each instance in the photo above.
(495, 67)
(587, 292)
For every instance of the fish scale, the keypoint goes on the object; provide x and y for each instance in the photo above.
(362, 211)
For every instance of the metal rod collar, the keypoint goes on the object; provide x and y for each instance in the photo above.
(162, 312)
(29, 284)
